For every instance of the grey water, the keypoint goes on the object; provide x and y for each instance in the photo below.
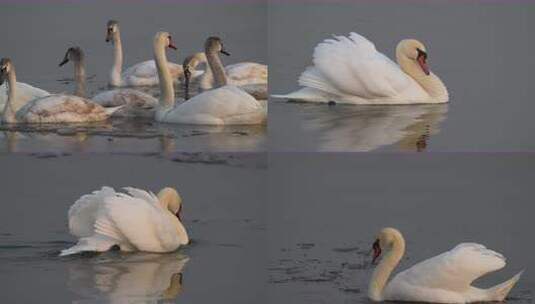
(480, 49)
(224, 199)
(36, 36)
(326, 209)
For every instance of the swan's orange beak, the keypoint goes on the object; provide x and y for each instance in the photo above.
(422, 61)
(376, 251)
(171, 45)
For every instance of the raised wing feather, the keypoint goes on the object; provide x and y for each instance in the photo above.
(353, 66)
(82, 214)
(456, 268)
(136, 220)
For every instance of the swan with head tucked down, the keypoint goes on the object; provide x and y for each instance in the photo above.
(251, 77)
(141, 74)
(134, 221)
(225, 105)
(445, 278)
(56, 108)
(133, 103)
(350, 70)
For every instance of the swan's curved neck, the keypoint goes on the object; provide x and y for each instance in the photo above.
(79, 78)
(430, 83)
(217, 68)
(384, 269)
(167, 91)
(11, 107)
(116, 69)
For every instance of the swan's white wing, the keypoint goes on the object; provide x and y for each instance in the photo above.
(137, 221)
(147, 69)
(225, 105)
(353, 66)
(25, 93)
(148, 196)
(455, 269)
(247, 73)
(82, 214)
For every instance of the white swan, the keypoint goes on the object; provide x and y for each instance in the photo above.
(445, 278)
(56, 108)
(251, 77)
(133, 102)
(350, 70)
(138, 220)
(226, 105)
(141, 74)
(25, 93)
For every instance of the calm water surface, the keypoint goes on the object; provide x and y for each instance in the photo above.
(325, 211)
(469, 45)
(38, 44)
(224, 197)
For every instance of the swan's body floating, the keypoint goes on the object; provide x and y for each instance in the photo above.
(251, 77)
(132, 103)
(56, 108)
(350, 70)
(445, 278)
(142, 74)
(25, 93)
(138, 220)
(225, 105)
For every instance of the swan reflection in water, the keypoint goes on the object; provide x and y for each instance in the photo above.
(139, 136)
(367, 128)
(128, 278)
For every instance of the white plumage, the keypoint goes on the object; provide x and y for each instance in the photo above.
(445, 278)
(228, 105)
(136, 220)
(351, 70)
(25, 93)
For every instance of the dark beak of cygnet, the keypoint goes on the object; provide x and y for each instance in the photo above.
(224, 52)
(65, 60)
(108, 35)
(376, 252)
(171, 45)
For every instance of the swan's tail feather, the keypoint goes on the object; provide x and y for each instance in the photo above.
(93, 243)
(500, 291)
(313, 78)
(306, 94)
(112, 110)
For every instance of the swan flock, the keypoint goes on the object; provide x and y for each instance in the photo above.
(231, 95)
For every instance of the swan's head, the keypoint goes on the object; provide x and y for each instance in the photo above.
(384, 240)
(111, 29)
(215, 45)
(170, 198)
(5, 68)
(164, 38)
(74, 54)
(413, 50)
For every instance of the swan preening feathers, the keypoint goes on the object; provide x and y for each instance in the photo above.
(136, 220)
(350, 70)
(445, 278)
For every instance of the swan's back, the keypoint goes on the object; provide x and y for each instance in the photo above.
(25, 93)
(247, 73)
(225, 105)
(146, 74)
(453, 270)
(60, 108)
(352, 66)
